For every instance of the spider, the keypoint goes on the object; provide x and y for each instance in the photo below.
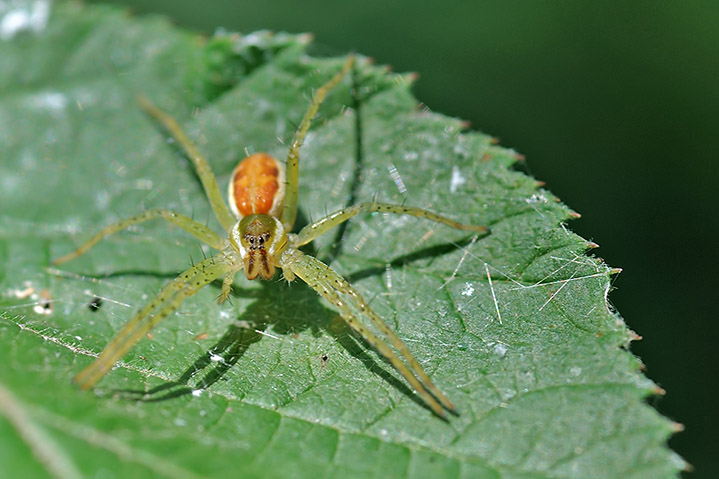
(263, 206)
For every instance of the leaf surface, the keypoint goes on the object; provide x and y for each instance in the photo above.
(514, 326)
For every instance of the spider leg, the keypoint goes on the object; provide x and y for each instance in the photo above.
(312, 231)
(198, 230)
(209, 183)
(165, 303)
(289, 211)
(330, 285)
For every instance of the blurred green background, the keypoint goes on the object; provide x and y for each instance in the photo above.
(615, 105)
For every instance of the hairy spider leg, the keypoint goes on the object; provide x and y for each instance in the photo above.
(209, 183)
(329, 284)
(321, 226)
(198, 230)
(289, 212)
(165, 303)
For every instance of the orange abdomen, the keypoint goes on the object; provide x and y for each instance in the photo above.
(257, 186)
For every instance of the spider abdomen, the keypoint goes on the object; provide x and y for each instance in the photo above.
(257, 186)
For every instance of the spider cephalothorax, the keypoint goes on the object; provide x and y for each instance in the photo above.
(262, 239)
(262, 212)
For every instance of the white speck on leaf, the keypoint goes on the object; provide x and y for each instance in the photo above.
(500, 349)
(14, 21)
(50, 101)
(537, 198)
(457, 180)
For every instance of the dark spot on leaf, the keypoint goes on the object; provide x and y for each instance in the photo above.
(95, 304)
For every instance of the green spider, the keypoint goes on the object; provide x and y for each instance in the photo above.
(263, 208)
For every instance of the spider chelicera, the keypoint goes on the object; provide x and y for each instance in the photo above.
(263, 207)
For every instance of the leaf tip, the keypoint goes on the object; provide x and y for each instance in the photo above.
(677, 427)
(412, 77)
(305, 38)
(658, 390)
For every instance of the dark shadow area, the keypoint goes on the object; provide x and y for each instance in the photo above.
(268, 310)
(425, 253)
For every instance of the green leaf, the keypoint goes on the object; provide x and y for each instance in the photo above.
(515, 326)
